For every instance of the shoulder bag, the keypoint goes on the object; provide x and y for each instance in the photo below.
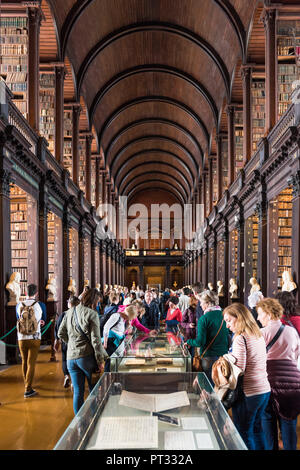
(197, 361)
(232, 396)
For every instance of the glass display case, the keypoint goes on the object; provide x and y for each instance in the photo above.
(144, 353)
(175, 411)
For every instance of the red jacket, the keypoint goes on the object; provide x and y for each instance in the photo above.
(294, 319)
(175, 315)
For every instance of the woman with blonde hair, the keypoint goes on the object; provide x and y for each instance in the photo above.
(283, 350)
(212, 335)
(249, 354)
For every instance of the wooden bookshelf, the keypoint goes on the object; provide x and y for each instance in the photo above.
(224, 164)
(74, 255)
(288, 38)
(47, 108)
(284, 232)
(19, 234)
(238, 135)
(234, 239)
(221, 261)
(215, 180)
(258, 111)
(14, 58)
(251, 239)
(211, 273)
(68, 131)
(93, 182)
(82, 150)
(87, 259)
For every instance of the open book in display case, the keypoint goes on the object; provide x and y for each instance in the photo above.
(176, 411)
(144, 353)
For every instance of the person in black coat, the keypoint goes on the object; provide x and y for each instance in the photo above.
(151, 317)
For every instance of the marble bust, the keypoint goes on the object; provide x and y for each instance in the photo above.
(255, 286)
(210, 286)
(51, 288)
(288, 283)
(72, 287)
(233, 289)
(14, 288)
(220, 289)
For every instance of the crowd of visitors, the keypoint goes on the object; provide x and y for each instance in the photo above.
(262, 342)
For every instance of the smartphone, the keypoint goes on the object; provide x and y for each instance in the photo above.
(167, 419)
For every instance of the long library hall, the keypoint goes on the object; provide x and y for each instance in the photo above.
(149, 225)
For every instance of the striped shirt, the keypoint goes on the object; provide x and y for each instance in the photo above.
(253, 361)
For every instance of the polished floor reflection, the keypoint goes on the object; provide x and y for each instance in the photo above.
(35, 423)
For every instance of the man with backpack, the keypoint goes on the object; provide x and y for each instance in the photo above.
(29, 322)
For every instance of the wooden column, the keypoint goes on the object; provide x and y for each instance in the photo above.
(88, 167)
(231, 143)
(210, 181)
(295, 183)
(59, 112)
(203, 191)
(97, 184)
(103, 263)
(219, 138)
(102, 186)
(269, 21)
(263, 223)
(81, 260)
(247, 121)
(66, 258)
(75, 143)
(43, 240)
(5, 245)
(93, 260)
(34, 23)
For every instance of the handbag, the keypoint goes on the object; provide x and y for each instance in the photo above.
(232, 396)
(197, 361)
(95, 365)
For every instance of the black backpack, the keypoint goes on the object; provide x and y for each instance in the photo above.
(108, 312)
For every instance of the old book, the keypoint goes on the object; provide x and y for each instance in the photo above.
(135, 362)
(151, 403)
(134, 432)
(164, 360)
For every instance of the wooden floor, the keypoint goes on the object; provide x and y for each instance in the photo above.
(37, 423)
(34, 423)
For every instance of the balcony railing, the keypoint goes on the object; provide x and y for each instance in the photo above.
(165, 252)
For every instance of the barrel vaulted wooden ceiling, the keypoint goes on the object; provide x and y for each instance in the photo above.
(154, 77)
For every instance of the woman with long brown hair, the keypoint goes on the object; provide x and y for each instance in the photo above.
(80, 330)
(249, 352)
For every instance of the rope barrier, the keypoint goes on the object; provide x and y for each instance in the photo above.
(8, 333)
(14, 345)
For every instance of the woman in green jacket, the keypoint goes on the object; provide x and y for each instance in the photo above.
(212, 333)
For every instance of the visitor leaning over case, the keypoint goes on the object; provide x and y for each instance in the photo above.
(249, 351)
(284, 377)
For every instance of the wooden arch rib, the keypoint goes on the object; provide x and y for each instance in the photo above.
(181, 147)
(155, 26)
(236, 23)
(152, 68)
(168, 187)
(140, 122)
(79, 7)
(129, 176)
(162, 99)
(160, 176)
(152, 151)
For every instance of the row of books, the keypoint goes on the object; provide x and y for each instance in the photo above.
(17, 87)
(18, 22)
(16, 77)
(13, 39)
(13, 49)
(285, 260)
(284, 251)
(285, 242)
(19, 263)
(18, 216)
(282, 222)
(284, 232)
(18, 245)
